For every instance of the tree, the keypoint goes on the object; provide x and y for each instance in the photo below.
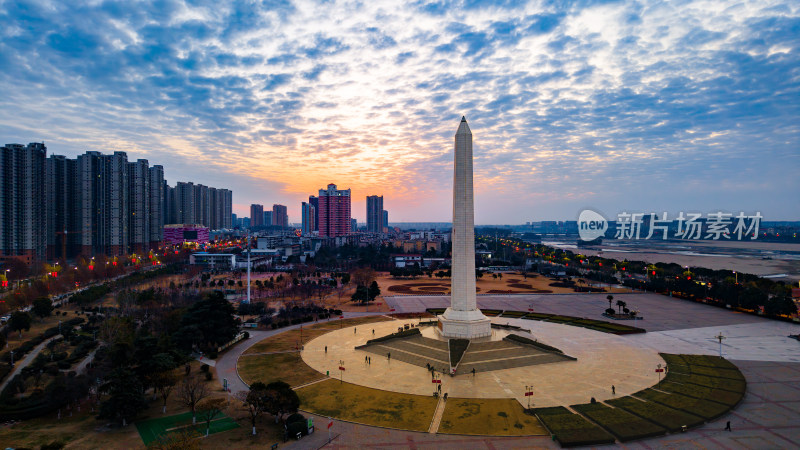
(210, 320)
(191, 391)
(209, 409)
(610, 298)
(280, 399)
(179, 440)
(374, 290)
(360, 295)
(126, 398)
(164, 383)
(42, 307)
(620, 305)
(253, 401)
(19, 321)
(780, 306)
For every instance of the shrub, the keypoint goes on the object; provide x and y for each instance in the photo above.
(296, 417)
(246, 335)
(622, 424)
(204, 368)
(209, 376)
(457, 349)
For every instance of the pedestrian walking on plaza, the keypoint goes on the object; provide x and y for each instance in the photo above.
(326, 349)
(365, 359)
(473, 371)
(389, 356)
(354, 330)
(373, 332)
(369, 360)
(728, 426)
(613, 390)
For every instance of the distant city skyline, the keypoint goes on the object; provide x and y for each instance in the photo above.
(615, 106)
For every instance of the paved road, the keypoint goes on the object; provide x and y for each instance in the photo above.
(19, 365)
(226, 363)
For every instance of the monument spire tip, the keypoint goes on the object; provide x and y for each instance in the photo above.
(463, 119)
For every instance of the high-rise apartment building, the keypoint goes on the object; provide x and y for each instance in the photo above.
(375, 214)
(386, 220)
(353, 225)
(156, 213)
(309, 214)
(139, 201)
(103, 204)
(314, 201)
(268, 217)
(184, 203)
(61, 207)
(23, 202)
(280, 216)
(256, 215)
(334, 211)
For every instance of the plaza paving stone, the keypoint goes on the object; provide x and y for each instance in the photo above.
(602, 360)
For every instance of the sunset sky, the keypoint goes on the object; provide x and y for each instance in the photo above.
(637, 106)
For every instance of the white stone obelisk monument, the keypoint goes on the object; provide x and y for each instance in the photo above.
(463, 319)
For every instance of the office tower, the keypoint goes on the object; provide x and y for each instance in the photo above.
(61, 212)
(170, 202)
(234, 220)
(314, 201)
(256, 215)
(334, 211)
(139, 209)
(309, 215)
(156, 213)
(385, 220)
(375, 214)
(280, 217)
(23, 202)
(353, 225)
(463, 319)
(268, 217)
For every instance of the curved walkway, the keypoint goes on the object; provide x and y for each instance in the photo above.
(19, 365)
(226, 363)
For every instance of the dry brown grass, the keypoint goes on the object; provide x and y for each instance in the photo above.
(290, 340)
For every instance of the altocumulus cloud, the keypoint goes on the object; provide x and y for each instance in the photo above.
(643, 105)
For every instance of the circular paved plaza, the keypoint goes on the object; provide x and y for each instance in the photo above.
(603, 360)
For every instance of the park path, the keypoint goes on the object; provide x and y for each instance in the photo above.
(226, 363)
(19, 365)
(437, 416)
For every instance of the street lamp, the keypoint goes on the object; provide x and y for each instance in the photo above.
(529, 394)
(720, 337)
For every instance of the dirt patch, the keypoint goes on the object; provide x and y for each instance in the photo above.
(520, 286)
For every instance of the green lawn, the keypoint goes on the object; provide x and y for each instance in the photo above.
(488, 416)
(152, 429)
(368, 406)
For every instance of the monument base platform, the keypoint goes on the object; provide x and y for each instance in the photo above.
(464, 324)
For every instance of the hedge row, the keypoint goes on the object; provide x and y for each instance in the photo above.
(671, 419)
(622, 424)
(702, 392)
(457, 348)
(399, 334)
(596, 325)
(706, 409)
(537, 344)
(571, 430)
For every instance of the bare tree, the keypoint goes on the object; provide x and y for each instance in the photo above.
(210, 409)
(164, 383)
(191, 391)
